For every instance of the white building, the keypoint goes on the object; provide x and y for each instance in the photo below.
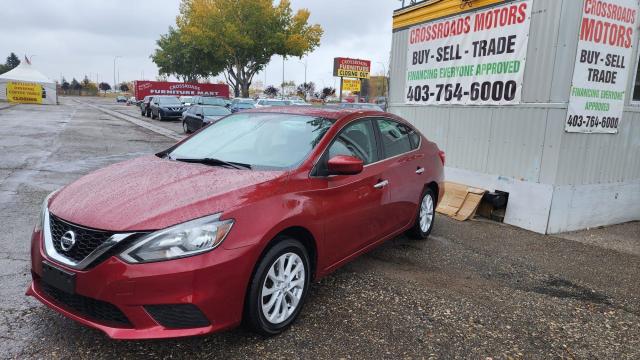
(537, 98)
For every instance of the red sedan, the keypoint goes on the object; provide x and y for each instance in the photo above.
(232, 223)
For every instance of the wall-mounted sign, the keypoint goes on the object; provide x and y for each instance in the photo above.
(477, 58)
(351, 85)
(352, 68)
(603, 61)
(24, 92)
(144, 88)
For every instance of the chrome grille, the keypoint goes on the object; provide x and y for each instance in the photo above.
(87, 240)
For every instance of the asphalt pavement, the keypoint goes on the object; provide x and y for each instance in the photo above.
(475, 289)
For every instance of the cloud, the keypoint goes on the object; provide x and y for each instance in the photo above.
(75, 38)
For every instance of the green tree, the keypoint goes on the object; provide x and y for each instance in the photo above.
(75, 85)
(124, 87)
(306, 89)
(86, 82)
(185, 60)
(327, 91)
(245, 34)
(12, 61)
(271, 91)
(104, 87)
(65, 85)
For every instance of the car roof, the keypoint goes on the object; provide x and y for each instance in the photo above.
(324, 112)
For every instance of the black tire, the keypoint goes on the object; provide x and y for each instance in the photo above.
(416, 231)
(185, 127)
(159, 116)
(148, 113)
(142, 112)
(254, 318)
(153, 116)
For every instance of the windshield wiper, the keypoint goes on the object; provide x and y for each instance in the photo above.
(212, 161)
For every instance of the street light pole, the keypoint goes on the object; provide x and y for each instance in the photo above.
(305, 78)
(114, 72)
(282, 95)
(384, 88)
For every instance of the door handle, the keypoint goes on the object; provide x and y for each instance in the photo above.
(381, 184)
(420, 171)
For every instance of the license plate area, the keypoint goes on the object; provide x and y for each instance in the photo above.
(58, 278)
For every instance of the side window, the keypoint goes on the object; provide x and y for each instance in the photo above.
(395, 137)
(414, 136)
(356, 139)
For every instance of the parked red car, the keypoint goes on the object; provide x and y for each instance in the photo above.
(232, 223)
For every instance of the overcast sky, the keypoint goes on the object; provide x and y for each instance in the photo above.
(74, 38)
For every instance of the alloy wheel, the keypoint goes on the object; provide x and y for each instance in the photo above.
(426, 213)
(283, 288)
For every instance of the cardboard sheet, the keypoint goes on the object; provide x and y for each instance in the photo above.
(460, 201)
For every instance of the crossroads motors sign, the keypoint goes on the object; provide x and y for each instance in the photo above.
(351, 68)
(603, 65)
(145, 88)
(476, 58)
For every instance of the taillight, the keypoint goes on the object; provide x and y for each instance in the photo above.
(442, 156)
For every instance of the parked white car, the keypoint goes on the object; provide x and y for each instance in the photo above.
(272, 102)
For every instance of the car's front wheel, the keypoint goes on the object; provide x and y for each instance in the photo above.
(278, 288)
(426, 216)
(159, 115)
(185, 127)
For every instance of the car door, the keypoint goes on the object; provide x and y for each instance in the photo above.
(187, 117)
(352, 204)
(403, 171)
(198, 118)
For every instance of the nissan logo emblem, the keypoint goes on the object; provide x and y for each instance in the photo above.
(68, 240)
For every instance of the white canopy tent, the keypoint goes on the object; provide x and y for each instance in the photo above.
(24, 84)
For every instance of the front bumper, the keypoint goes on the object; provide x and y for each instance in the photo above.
(214, 283)
(168, 114)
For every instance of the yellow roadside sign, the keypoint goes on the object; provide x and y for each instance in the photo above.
(351, 85)
(24, 92)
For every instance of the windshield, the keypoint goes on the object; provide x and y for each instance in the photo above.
(186, 99)
(245, 106)
(262, 140)
(215, 111)
(169, 100)
(213, 101)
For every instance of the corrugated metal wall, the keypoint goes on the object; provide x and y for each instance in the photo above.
(527, 141)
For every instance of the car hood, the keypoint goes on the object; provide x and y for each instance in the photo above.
(150, 193)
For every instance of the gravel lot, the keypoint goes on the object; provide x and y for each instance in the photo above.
(473, 290)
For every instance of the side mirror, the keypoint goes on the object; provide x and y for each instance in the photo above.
(345, 165)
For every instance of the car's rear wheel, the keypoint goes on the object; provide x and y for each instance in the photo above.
(185, 127)
(426, 216)
(278, 288)
(148, 113)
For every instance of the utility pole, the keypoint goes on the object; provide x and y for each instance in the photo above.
(114, 72)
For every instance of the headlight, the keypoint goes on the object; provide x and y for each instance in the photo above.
(43, 209)
(186, 239)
